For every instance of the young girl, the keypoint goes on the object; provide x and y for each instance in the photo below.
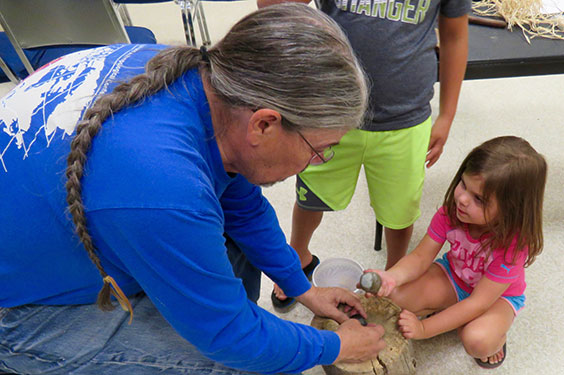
(492, 218)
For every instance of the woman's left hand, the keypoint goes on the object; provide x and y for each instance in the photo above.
(325, 302)
(410, 325)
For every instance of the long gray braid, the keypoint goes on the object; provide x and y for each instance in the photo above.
(162, 70)
(289, 57)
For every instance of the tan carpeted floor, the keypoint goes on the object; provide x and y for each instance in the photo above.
(530, 107)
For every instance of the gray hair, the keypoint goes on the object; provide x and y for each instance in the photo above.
(288, 57)
(293, 59)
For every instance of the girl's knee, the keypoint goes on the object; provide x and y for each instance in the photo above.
(479, 341)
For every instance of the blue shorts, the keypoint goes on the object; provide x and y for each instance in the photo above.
(517, 303)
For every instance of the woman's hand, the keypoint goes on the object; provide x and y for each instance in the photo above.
(325, 302)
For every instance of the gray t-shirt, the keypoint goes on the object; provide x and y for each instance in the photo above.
(395, 42)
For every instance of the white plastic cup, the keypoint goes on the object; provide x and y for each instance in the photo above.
(338, 272)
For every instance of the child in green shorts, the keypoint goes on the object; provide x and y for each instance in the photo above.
(395, 41)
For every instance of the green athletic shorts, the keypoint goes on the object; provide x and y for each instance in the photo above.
(394, 164)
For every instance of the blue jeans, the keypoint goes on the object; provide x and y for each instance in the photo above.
(81, 339)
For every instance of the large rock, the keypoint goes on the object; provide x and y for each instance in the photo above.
(396, 359)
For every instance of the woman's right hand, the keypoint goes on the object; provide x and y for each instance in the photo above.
(358, 343)
(388, 283)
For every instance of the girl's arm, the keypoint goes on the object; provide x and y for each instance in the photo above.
(482, 298)
(410, 267)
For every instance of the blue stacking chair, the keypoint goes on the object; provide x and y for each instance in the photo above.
(39, 31)
(190, 10)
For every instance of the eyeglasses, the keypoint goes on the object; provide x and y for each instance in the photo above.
(317, 158)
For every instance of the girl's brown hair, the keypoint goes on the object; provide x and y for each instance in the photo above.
(288, 57)
(515, 174)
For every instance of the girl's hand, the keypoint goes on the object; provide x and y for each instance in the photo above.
(388, 283)
(410, 326)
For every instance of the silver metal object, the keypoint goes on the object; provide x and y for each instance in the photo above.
(194, 9)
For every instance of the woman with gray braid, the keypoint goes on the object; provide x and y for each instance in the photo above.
(132, 172)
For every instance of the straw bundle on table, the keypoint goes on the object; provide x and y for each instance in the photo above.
(525, 14)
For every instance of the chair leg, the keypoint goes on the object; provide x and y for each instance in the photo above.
(378, 237)
(185, 7)
(6, 69)
(19, 50)
(202, 23)
(124, 14)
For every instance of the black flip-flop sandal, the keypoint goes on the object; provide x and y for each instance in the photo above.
(285, 305)
(492, 365)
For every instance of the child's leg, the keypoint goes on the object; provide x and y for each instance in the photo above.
(484, 336)
(397, 242)
(431, 292)
(395, 170)
(304, 223)
(326, 187)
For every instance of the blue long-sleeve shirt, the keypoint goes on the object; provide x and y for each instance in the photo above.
(158, 202)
